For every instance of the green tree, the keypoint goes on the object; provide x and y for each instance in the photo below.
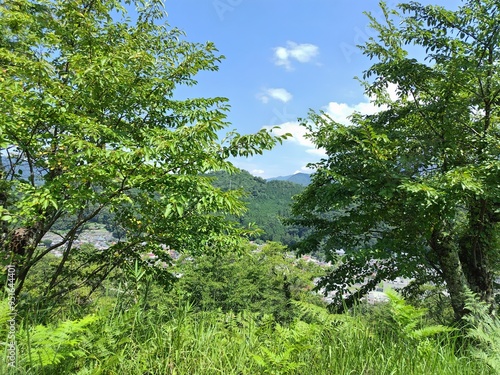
(414, 190)
(264, 280)
(90, 123)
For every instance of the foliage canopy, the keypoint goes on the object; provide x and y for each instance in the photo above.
(414, 189)
(90, 122)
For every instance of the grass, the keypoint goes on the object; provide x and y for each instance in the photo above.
(180, 341)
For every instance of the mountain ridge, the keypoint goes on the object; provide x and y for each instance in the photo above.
(303, 179)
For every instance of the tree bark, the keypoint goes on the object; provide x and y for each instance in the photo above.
(20, 248)
(453, 274)
(476, 247)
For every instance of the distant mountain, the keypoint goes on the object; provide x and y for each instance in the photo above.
(267, 201)
(19, 169)
(303, 179)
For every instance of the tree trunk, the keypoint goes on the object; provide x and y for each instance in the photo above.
(453, 274)
(20, 249)
(475, 251)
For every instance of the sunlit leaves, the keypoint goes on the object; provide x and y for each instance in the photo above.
(91, 119)
(417, 181)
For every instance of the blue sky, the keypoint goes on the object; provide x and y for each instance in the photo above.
(282, 58)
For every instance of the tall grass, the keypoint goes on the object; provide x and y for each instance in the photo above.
(484, 329)
(134, 341)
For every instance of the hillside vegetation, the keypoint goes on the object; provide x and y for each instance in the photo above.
(246, 313)
(94, 140)
(268, 202)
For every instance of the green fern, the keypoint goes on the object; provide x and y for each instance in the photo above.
(51, 345)
(278, 353)
(277, 363)
(409, 318)
(5, 316)
(484, 328)
(321, 315)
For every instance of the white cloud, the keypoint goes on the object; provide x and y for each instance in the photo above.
(277, 93)
(302, 53)
(341, 111)
(298, 133)
(392, 90)
(298, 136)
(304, 169)
(257, 172)
(317, 151)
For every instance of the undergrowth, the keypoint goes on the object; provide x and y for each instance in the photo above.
(135, 341)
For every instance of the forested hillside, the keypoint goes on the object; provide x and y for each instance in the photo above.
(102, 132)
(267, 202)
